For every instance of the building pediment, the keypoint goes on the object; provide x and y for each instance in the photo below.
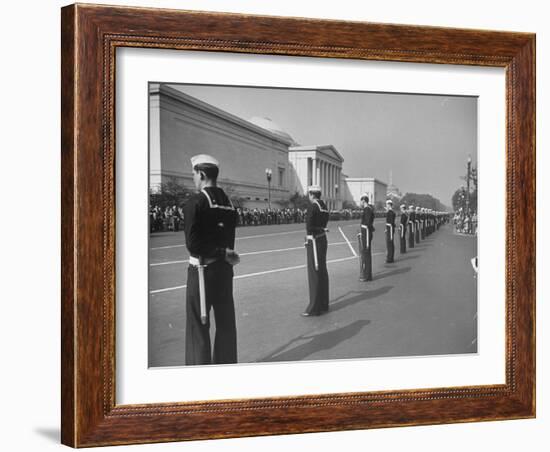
(325, 150)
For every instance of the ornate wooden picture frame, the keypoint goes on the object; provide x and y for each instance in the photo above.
(90, 37)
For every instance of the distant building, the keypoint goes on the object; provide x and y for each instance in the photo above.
(317, 164)
(392, 190)
(182, 126)
(375, 189)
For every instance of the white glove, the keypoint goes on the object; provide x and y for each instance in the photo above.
(232, 257)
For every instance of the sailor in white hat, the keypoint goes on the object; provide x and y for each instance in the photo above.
(403, 221)
(210, 222)
(365, 239)
(390, 230)
(316, 248)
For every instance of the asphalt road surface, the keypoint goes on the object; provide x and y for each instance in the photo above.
(423, 304)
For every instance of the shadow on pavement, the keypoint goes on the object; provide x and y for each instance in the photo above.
(397, 271)
(422, 245)
(359, 297)
(315, 343)
(406, 258)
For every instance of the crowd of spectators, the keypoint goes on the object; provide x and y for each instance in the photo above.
(171, 218)
(465, 223)
(167, 219)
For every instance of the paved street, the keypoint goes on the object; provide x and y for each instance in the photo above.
(423, 304)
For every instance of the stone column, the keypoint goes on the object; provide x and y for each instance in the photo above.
(332, 179)
(338, 193)
(329, 192)
(320, 181)
(314, 171)
(329, 181)
(323, 177)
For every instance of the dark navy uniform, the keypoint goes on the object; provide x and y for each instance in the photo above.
(417, 225)
(316, 246)
(423, 223)
(210, 222)
(390, 231)
(412, 223)
(403, 232)
(366, 235)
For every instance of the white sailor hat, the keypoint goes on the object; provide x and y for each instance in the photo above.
(403, 206)
(314, 188)
(411, 207)
(418, 207)
(202, 159)
(364, 196)
(389, 201)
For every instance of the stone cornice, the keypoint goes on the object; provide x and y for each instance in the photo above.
(322, 148)
(173, 93)
(365, 179)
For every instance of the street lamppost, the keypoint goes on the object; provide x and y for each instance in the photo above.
(268, 174)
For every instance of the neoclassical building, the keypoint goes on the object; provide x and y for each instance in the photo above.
(375, 189)
(182, 126)
(317, 165)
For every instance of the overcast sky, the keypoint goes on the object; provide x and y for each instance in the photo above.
(424, 140)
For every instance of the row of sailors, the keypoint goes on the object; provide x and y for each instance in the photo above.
(415, 223)
(210, 223)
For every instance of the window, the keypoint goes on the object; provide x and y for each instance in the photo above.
(281, 177)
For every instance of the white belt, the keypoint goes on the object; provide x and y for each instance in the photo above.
(318, 236)
(196, 262)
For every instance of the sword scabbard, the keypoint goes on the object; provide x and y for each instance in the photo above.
(202, 294)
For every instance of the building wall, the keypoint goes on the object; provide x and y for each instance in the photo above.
(299, 172)
(182, 126)
(317, 164)
(357, 186)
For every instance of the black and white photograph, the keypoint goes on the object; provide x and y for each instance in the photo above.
(235, 225)
(299, 224)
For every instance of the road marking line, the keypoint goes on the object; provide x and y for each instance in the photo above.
(249, 275)
(247, 237)
(156, 264)
(168, 289)
(168, 263)
(347, 241)
(166, 247)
